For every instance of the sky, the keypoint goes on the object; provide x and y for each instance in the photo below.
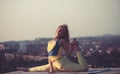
(30, 19)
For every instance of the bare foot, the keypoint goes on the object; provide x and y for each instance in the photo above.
(22, 69)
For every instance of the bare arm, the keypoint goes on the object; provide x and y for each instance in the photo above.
(70, 47)
(51, 66)
(67, 47)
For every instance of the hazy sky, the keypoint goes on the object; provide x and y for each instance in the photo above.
(30, 19)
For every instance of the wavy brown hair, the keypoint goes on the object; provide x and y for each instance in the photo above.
(66, 36)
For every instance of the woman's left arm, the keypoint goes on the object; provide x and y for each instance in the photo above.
(67, 47)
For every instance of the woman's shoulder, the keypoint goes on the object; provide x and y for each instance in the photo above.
(51, 41)
(51, 45)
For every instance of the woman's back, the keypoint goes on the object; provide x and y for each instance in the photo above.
(54, 50)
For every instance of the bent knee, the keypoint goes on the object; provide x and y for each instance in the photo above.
(86, 69)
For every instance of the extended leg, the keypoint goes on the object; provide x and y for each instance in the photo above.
(43, 68)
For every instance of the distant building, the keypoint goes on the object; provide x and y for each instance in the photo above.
(2, 47)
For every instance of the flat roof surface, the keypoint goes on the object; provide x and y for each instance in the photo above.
(91, 71)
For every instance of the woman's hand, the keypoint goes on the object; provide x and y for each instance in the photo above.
(75, 42)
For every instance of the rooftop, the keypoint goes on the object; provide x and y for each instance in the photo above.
(91, 71)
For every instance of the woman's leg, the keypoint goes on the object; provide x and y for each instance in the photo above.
(64, 64)
(43, 68)
(83, 64)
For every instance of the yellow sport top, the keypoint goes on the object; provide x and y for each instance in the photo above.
(54, 50)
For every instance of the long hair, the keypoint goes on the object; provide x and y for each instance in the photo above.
(66, 36)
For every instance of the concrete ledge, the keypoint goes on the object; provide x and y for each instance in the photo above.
(91, 71)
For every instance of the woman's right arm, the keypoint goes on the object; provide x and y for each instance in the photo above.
(51, 65)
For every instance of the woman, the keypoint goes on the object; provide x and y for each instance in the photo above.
(55, 47)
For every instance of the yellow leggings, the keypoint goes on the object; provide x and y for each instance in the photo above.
(64, 64)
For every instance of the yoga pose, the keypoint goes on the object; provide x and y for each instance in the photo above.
(56, 61)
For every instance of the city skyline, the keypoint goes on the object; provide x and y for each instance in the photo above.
(30, 19)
